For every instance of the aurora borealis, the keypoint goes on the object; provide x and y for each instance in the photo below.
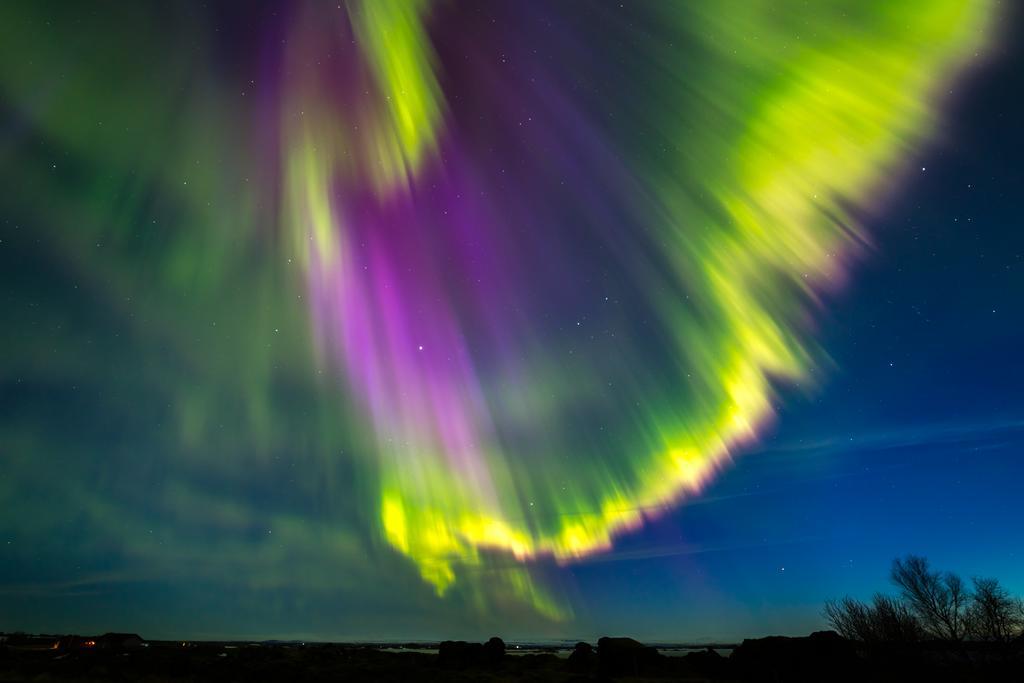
(448, 299)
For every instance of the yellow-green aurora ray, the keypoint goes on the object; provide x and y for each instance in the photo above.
(767, 121)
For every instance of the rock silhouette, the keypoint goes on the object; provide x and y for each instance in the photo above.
(822, 656)
(461, 654)
(625, 656)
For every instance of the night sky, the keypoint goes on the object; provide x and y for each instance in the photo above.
(408, 320)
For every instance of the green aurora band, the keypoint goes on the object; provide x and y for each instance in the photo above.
(391, 291)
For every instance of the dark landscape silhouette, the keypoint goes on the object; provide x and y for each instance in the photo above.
(936, 627)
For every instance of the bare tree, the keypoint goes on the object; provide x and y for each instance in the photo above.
(886, 619)
(849, 618)
(939, 601)
(995, 614)
(894, 622)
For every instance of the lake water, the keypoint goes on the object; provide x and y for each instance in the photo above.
(563, 652)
